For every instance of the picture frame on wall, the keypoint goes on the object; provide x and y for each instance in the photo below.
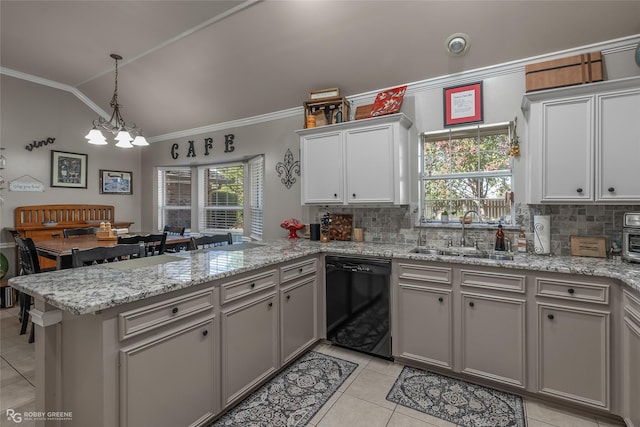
(463, 104)
(116, 182)
(68, 169)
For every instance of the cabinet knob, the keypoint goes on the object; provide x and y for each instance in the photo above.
(354, 195)
(611, 189)
(335, 195)
(288, 297)
(440, 299)
(205, 333)
(253, 285)
(174, 310)
(300, 270)
(550, 316)
(471, 304)
(571, 291)
(270, 304)
(579, 190)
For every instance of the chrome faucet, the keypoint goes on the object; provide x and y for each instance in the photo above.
(464, 217)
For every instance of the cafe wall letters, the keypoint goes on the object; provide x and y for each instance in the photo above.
(38, 144)
(207, 147)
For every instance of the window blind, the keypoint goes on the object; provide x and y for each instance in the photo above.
(256, 189)
(174, 197)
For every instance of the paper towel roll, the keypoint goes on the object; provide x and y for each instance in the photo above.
(542, 234)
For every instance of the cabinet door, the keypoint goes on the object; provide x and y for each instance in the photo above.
(567, 147)
(249, 345)
(299, 317)
(618, 148)
(631, 365)
(369, 164)
(153, 373)
(322, 176)
(573, 354)
(494, 337)
(424, 324)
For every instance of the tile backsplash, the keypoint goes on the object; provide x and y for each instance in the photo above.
(397, 225)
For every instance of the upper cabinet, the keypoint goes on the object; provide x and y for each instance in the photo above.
(584, 143)
(357, 162)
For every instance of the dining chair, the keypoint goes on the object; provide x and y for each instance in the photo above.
(155, 244)
(105, 254)
(211, 241)
(29, 264)
(69, 232)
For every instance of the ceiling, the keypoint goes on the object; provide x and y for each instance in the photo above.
(189, 64)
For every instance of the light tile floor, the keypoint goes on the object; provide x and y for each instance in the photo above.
(360, 401)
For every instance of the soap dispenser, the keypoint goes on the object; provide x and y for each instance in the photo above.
(500, 239)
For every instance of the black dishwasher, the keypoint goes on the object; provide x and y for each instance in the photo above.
(357, 304)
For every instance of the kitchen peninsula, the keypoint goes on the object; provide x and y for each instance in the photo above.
(117, 344)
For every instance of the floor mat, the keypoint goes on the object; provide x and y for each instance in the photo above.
(292, 397)
(456, 401)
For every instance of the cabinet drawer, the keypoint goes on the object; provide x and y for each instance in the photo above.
(425, 273)
(299, 269)
(490, 280)
(247, 286)
(575, 291)
(134, 322)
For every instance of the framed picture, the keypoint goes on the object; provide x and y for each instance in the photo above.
(116, 182)
(68, 169)
(463, 104)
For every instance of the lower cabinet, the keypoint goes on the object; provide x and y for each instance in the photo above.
(153, 372)
(631, 360)
(573, 354)
(424, 324)
(493, 338)
(298, 317)
(249, 344)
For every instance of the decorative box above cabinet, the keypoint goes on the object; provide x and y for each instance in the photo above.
(358, 162)
(583, 143)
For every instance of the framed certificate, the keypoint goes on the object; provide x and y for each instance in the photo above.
(463, 104)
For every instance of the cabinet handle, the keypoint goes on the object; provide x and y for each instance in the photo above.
(471, 304)
(440, 299)
(579, 190)
(253, 285)
(270, 304)
(205, 333)
(550, 316)
(174, 310)
(288, 297)
(611, 189)
(571, 291)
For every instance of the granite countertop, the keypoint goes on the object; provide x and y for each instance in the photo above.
(91, 289)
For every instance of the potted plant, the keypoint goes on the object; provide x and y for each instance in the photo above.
(444, 216)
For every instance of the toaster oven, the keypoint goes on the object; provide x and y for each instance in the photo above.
(631, 237)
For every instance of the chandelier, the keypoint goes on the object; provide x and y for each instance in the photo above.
(127, 136)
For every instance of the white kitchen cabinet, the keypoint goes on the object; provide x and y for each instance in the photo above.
(357, 162)
(249, 343)
(631, 359)
(583, 143)
(151, 371)
(423, 315)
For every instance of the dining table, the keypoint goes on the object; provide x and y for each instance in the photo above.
(59, 249)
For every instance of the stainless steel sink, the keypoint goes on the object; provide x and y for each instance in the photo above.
(463, 252)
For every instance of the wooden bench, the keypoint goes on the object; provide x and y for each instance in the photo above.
(30, 221)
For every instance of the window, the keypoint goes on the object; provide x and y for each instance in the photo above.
(229, 197)
(174, 197)
(466, 169)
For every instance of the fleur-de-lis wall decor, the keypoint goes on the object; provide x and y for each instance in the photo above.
(287, 168)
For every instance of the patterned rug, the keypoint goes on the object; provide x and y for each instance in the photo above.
(456, 401)
(294, 396)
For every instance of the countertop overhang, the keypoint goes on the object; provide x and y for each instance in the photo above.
(89, 290)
